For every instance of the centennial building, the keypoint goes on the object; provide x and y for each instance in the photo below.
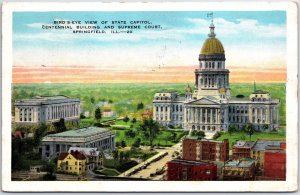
(47, 109)
(209, 106)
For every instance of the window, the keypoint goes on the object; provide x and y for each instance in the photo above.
(161, 109)
(156, 108)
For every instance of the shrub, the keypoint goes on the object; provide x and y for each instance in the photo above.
(217, 135)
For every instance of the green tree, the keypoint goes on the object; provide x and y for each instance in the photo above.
(137, 143)
(98, 114)
(123, 144)
(249, 129)
(133, 120)
(140, 106)
(231, 129)
(198, 134)
(60, 125)
(82, 116)
(121, 156)
(126, 156)
(150, 129)
(40, 132)
(126, 119)
(92, 100)
(173, 136)
(115, 154)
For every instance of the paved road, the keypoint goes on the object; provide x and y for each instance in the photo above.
(145, 173)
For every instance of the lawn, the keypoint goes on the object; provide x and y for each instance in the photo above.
(235, 136)
(163, 138)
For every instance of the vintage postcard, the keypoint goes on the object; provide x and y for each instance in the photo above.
(141, 97)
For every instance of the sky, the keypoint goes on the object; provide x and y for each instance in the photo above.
(254, 43)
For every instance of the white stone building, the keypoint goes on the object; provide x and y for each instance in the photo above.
(91, 137)
(46, 109)
(210, 107)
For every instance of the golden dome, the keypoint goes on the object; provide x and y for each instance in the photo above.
(212, 46)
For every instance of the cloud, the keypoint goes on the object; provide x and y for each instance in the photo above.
(240, 26)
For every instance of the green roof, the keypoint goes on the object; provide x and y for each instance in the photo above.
(84, 132)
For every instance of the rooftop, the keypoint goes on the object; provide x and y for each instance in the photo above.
(261, 145)
(245, 162)
(45, 99)
(84, 132)
(244, 144)
(186, 162)
(260, 92)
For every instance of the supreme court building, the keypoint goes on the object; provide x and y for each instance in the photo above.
(209, 106)
(47, 109)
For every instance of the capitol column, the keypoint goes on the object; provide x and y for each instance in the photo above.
(206, 115)
(255, 115)
(200, 115)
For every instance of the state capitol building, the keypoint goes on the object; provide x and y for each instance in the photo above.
(209, 106)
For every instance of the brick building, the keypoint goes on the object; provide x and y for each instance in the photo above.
(258, 151)
(183, 170)
(205, 150)
(275, 162)
(239, 170)
(242, 149)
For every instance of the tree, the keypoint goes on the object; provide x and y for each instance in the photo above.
(92, 100)
(110, 101)
(123, 144)
(40, 132)
(60, 125)
(126, 119)
(133, 120)
(231, 129)
(140, 106)
(82, 116)
(249, 129)
(121, 156)
(198, 134)
(150, 129)
(173, 136)
(126, 156)
(115, 154)
(137, 143)
(98, 114)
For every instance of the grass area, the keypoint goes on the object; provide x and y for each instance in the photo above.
(163, 138)
(125, 97)
(235, 136)
(142, 154)
(108, 172)
(119, 166)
